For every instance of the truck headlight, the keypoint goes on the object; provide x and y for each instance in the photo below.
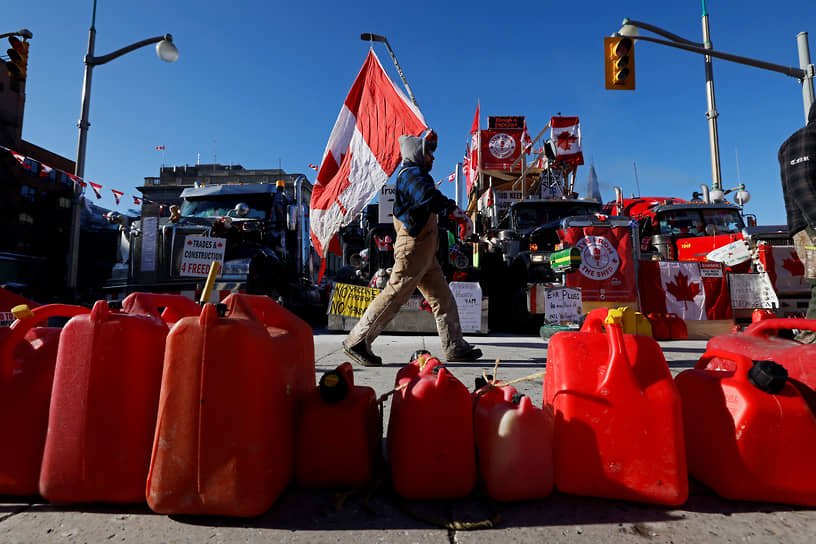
(237, 267)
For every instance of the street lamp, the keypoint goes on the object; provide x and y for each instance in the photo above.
(23, 33)
(369, 37)
(166, 51)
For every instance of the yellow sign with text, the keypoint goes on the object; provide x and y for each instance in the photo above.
(351, 300)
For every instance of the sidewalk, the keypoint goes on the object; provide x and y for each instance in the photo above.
(324, 516)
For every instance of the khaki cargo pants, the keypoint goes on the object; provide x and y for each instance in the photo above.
(415, 265)
(805, 245)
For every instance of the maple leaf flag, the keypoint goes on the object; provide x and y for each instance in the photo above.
(117, 195)
(362, 151)
(566, 135)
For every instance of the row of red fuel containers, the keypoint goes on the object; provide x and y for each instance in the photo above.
(217, 414)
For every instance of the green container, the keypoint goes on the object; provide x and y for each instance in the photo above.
(565, 260)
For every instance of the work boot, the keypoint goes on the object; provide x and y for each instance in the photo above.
(361, 354)
(464, 354)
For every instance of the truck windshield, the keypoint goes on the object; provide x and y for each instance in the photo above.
(212, 207)
(533, 216)
(700, 222)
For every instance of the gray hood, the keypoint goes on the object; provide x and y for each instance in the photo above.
(411, 149)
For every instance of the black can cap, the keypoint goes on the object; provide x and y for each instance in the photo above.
(221, 309)
(517, 398)
(417, 354)
(768, 376)
(333, 387)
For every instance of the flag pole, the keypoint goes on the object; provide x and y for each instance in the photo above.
(368, 37)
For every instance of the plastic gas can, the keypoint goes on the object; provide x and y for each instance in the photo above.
(337, 439)
(750, 435)
(515, 445)
(618, 420)
(430, 434)
(103, 405)
(225, 431)
(28, 354)
(763, 341)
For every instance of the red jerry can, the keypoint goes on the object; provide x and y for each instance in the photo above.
(486, 396)
(430, 434)
(224, 442)
(761, 342)
(174, 306)
(515, 445)
(677, 327)
(337, 439)
(28, 355)
(103, 405)
(618, 420)
(292, 334)
(750, 435)
(661, 330)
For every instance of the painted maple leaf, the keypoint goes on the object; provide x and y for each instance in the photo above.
(682, 289)
(565, 140)
(794, 266)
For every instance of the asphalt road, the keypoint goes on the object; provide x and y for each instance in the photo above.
(377, 515)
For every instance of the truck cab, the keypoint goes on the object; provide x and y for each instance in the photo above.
(674, 229)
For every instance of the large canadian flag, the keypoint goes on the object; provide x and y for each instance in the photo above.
(362, 152)
(692, 290)
(566, 135)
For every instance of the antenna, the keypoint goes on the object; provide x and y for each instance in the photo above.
(736, 153)
(637, 182)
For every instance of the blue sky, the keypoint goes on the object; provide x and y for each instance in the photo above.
(260, 83)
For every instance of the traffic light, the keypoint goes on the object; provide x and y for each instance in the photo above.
(18, 58)
(619, 63)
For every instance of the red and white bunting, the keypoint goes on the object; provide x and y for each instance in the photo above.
(45, 170)
(137, 200)
(96, 187)
(362, 151)
(117, 195)
(566, 135)
(21, 159)
(313, 167)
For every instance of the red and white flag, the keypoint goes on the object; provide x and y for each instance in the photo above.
(313, 167)
(137, 200)
(526, 141)
(566, 135)
(362, 151)
(76, 180)
(682, 288)
(95, 187)
(45, 170)
(473, 163)
(21, 159)
(159, 147)
(117, 195)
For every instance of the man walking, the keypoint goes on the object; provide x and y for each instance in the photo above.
(417, 205)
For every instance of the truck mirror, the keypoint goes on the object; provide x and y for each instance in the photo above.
(242, 209)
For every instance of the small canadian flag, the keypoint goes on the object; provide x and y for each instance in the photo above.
(159, 147)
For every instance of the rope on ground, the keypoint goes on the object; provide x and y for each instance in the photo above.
(489, 523)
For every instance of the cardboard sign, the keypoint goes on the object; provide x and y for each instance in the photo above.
(500, 148)
(351, 300)
(199, 253)
(752, 291)
(149, 229)
(468, 296)
(388, 193)
(562, 305)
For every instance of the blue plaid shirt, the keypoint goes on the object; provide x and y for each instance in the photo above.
(417, 197)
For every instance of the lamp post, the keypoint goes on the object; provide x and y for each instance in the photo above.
(23, 33)
(805, 73)
(167, 52)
